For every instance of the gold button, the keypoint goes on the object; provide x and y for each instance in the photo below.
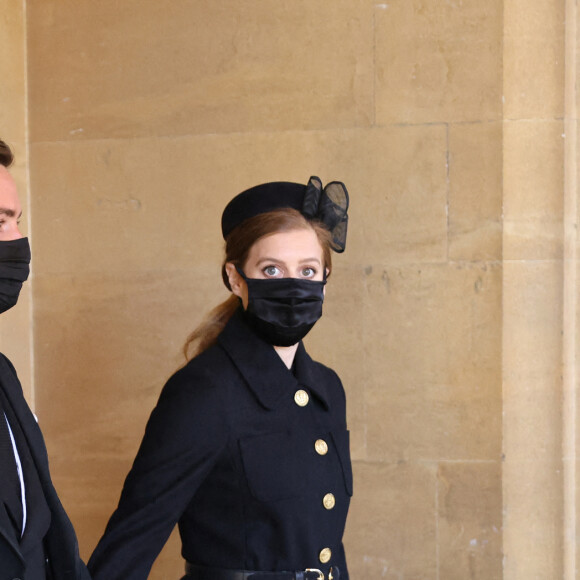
(301, 398)
(329, 501)
(321, 447)
(325, 555)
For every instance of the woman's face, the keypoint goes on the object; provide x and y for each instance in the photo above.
(292, 254)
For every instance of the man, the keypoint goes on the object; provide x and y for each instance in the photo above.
(37, 540)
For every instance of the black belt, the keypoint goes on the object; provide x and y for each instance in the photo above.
(204, 573)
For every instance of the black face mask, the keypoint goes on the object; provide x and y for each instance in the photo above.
(14, 270)
(283, 310)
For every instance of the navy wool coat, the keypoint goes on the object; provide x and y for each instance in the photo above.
(256, 476)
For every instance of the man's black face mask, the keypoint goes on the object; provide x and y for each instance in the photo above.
(14, 270)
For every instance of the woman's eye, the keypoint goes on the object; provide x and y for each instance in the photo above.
(271, 271)
(308, 272)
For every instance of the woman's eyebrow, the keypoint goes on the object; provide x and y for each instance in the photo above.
(267, 259)
(278, 261)
(310, 260)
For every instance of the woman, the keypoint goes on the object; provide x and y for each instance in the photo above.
(247, 449)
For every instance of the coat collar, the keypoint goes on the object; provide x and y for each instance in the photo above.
(262, 368)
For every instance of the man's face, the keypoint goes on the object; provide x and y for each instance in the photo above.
(10, 208)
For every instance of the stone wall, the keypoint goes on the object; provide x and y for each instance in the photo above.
(16, 324)
(451, 317)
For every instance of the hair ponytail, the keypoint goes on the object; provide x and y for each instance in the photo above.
(205, 335)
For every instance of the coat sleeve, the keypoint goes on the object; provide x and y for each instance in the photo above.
(183, 440)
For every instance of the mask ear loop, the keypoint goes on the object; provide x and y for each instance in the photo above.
(241, 273)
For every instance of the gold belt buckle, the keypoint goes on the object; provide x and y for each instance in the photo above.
(319, 572)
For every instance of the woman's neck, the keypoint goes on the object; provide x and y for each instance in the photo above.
(287, 353)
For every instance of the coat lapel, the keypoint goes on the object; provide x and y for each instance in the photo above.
(262, 368)
(28, 438)
(7, 531)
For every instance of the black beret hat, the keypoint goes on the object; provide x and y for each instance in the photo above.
(328, 205)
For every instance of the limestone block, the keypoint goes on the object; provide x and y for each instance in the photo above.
(533, 61)
(148, 203)
(433, 357)
(532, 357)
(118, 206)
(475, 192)
(396, 177)
(532, 323)
(12, 70)
(533, 518)
(181, 67)
(533, 186)
(571, 539)
(105, 344)
(391, 527)
(438, 61)
(577, 356)
(401, 195)
(470, 521)
(532, 425)
(577, 180)
(89, 488)
(122, 205)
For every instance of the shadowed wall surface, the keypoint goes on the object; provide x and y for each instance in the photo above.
(451, 318)
(15, 325)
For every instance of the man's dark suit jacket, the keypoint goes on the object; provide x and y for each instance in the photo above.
(48, 549)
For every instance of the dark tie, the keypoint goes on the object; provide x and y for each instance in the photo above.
(9, 480)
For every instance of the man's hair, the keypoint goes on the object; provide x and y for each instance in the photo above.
(6, 155)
